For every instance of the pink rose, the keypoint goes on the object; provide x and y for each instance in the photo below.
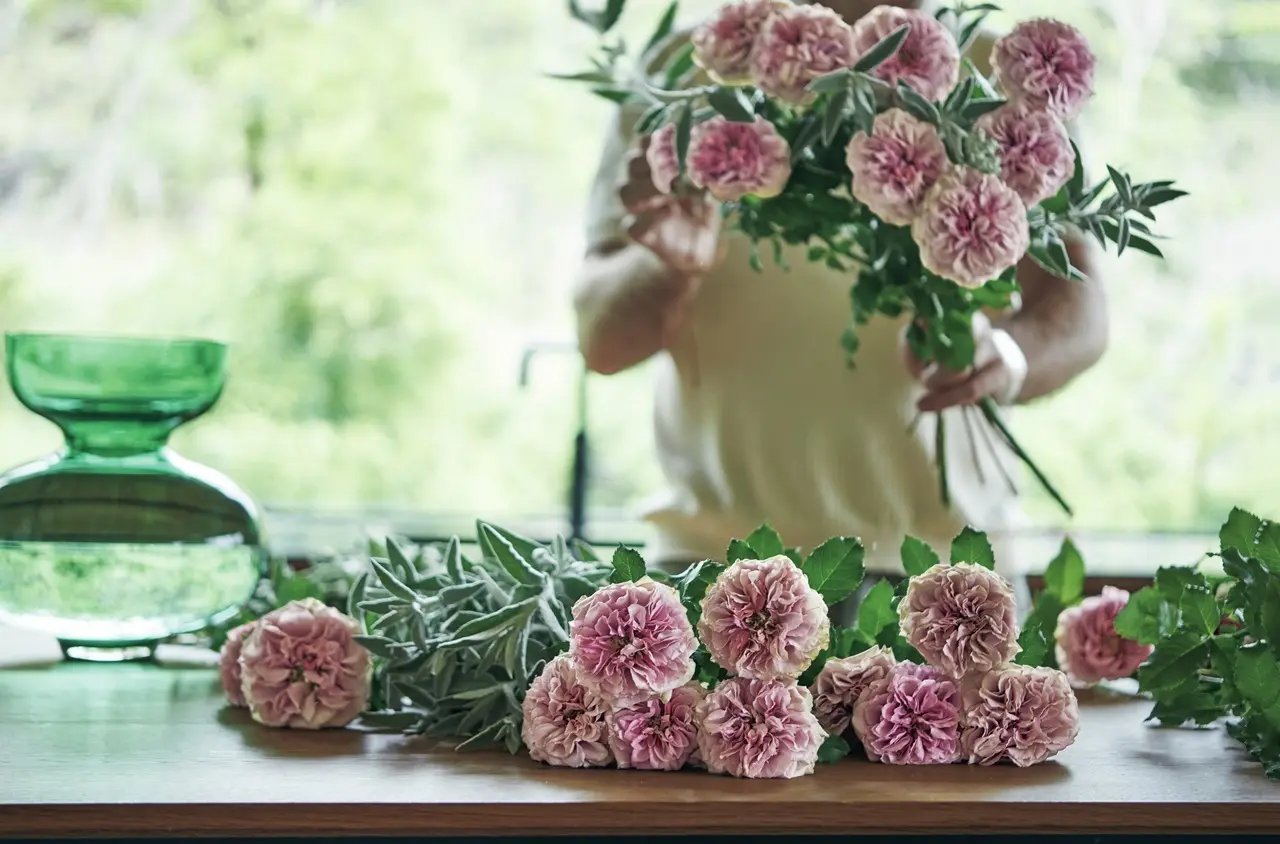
(1046, 64)
(722, 45)
(301, 667)
(1036, 158)
(1019, 713)
(796, 46)
(632, 640)
(972, 227)
(894, 167)
(762, 619)
(928, 59)
(732, 160)
(229, 663)
(1088, 647)
(910, 717)
(664, 165)
(961, 618)
(657, 734)
(759, 729)
(843, 681)
(565, 722)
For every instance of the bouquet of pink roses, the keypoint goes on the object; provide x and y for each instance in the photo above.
(881, 147)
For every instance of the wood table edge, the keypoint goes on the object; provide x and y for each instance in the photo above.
(319, 820)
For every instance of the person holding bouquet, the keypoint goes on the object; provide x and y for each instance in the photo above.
(758, 418)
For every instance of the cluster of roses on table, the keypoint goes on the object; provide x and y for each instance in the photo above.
(970, 226)
(624, 692)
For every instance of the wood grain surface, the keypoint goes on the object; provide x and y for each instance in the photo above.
(147, 750)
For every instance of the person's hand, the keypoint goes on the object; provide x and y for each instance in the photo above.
(996, 372)
(683, 231)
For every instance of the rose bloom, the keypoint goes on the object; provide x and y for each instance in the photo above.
(565, 721)
(759, 729)
(796, 46)
(910, 717)
(1036, 158)
(961, 618)
(1019, 713)
(657, 734)
(664, 166)
(1088, 647)
(732, 160)
(632, 640)
(301, 667)
(722, 45)
(1046, 64)
(928, 59)
(229, 663)
(842, 682)
(894, 167)
(971, 228)
(762, 619)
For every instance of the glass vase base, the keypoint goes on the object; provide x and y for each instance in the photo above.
(106, 653)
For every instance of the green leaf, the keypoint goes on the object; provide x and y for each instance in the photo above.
(917, 556)
(296, 588)
(1064, 577)
(1188, 590)
(980, 79)
(1121, 183)
(665, 26)
(1253, 537)
(972, 546)
(836, 567)
(833, 750)
(766, 542)
(739, 550)
(1199, 707)
(595, 77)
(612, 12)
(1161, 196)
(628, 565)
(1171, 669)
(1146, 618)
(584, 552)
(959, 95)
(356, 595)
(809, 132)
(833, 116)
(453, 559)
(1261, 740)
(684, 129)
(496, 546)
(680, 65)
(1052, 257)
(1037, 636)
(795, 555)
(917, 105)
(376, 645)
(391, 583)
(1075, 186)
(731, 104)
(1258, 679)
(882, 50)
(498, 620)
(976, 108)
(836, 80)
(876, 610)
(400, 563)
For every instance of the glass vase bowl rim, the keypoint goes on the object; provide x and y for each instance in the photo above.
(115, 339)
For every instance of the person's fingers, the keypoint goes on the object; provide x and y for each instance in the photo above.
(633, 195)
(638, 169)
(937, 377)
(984, 381)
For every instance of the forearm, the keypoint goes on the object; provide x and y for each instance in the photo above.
(1063, 325)
(625, 300)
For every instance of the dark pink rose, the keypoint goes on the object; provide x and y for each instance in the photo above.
(894, 167)
(795, 46)
(732, 160)
(971, 228)
(229, 663)
(910, 717)
(928, 59)
(961, 618)
(842, 682)
(1036, 158)
(759, 729)
(1088, 647)
(565, 721)
(1019, 713)
(657, 734)
(1046, 64)
(723, 43)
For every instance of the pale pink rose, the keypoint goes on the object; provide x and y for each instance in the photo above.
(301, 667)
(660, 733)
(1036, 158)
(565, 722)
(1088, 647)
(796, 46)
(928, 59)
(632, 640)
(759, 729)
(1047, 64)
(1019, 713)
(722, 44)
(842, 682)
(229, 663)
(961, 618)
(910, 717)
(664, 165)
(732, 160)
(971, 228)
(762, 619)
(894, 167)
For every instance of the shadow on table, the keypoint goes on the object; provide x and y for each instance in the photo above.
(295, 744)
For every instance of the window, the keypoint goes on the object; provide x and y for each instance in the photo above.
(378, 203)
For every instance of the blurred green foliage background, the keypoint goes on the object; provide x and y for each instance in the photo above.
(378, 202)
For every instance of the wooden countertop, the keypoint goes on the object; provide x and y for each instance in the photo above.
(145, 750)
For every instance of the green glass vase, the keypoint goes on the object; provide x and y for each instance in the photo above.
(115, 542)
